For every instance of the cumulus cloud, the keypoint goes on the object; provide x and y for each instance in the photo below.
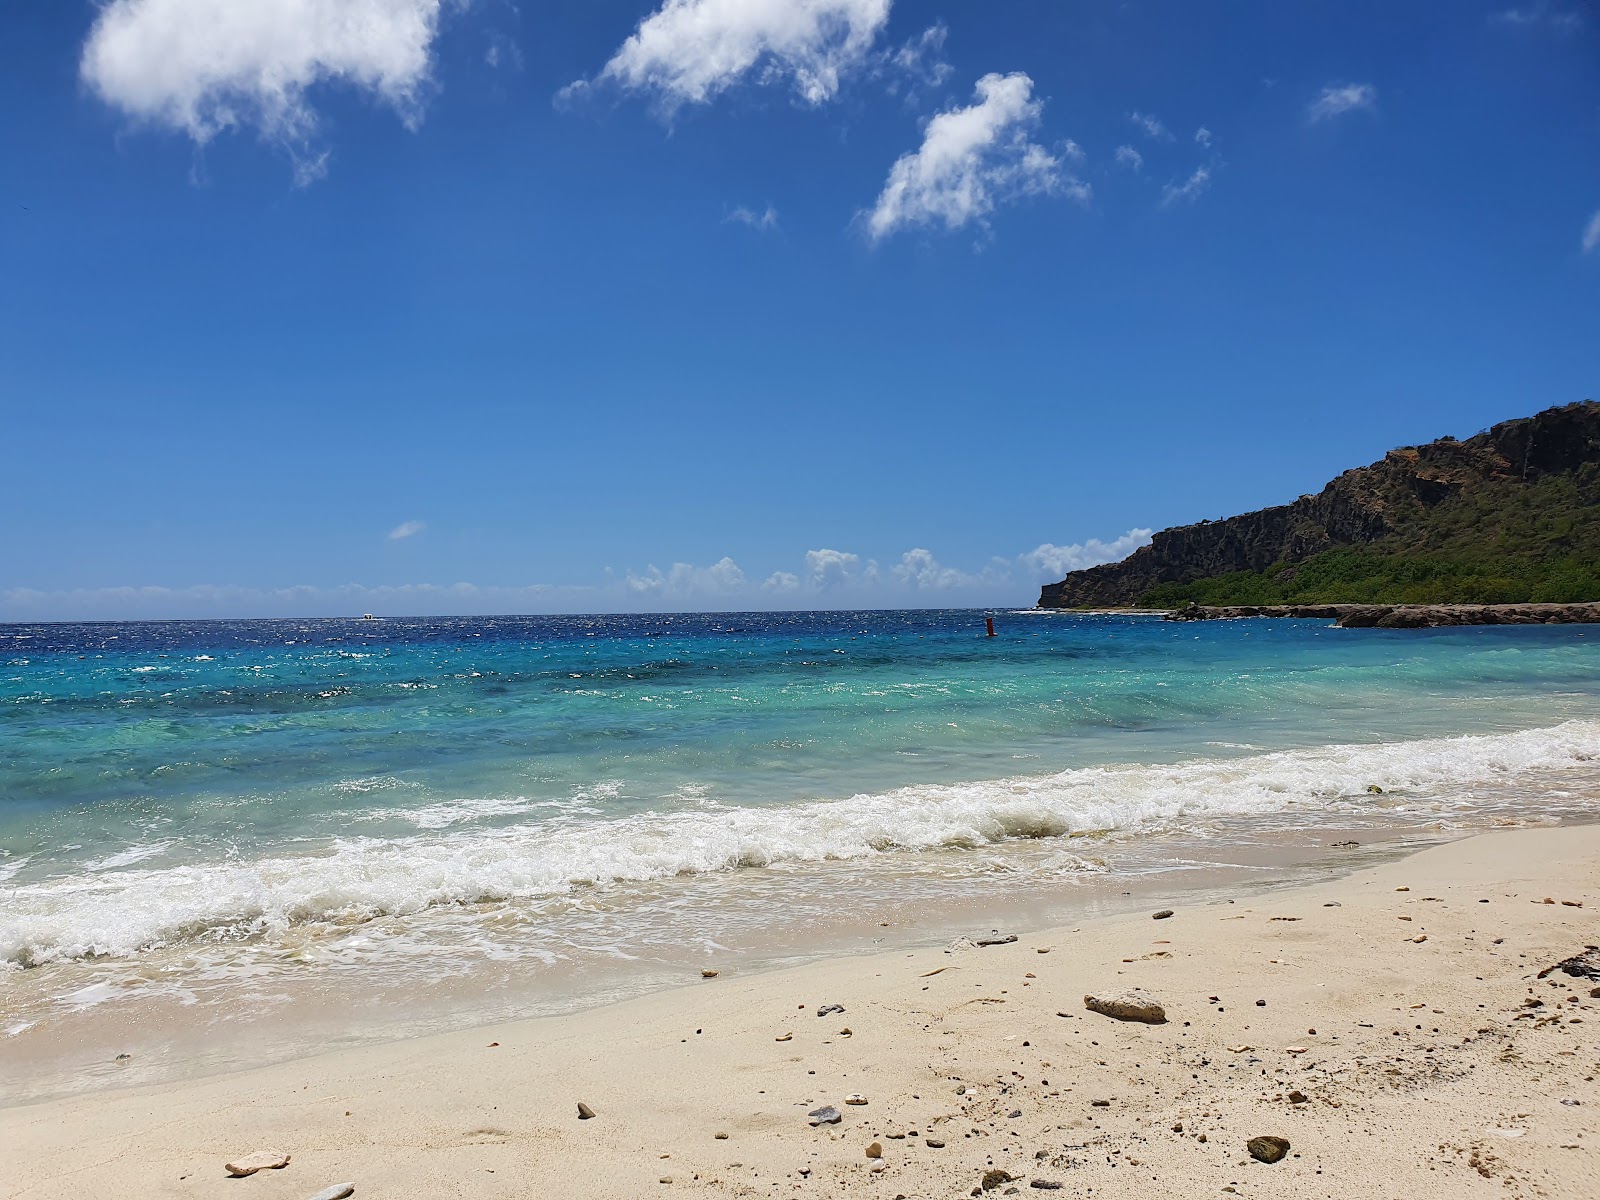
(1591, 234)
(690, 51)
(406, 529)
(1047, 562)
(829, 578)
(687, 581)
(1340, 98)
(781, 581)
(204, 66)
(1151, 125)
(971, 160)
(1203, 136)
(761, 222)
(1127, 156)
(1190, 189)
(825, 568)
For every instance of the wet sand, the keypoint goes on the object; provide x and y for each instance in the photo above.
(1407, 1045)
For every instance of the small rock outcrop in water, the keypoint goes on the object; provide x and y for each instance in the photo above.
(1447, 497)
(1135, 1004)
(1400, 616)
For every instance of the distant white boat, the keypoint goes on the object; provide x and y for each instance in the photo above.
(370, 617)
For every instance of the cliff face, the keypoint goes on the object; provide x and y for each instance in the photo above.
(1362, 506)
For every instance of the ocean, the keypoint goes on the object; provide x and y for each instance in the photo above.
(227, 841)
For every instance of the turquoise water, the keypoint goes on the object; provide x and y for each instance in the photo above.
(187, 805)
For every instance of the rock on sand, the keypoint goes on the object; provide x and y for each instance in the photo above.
(1135, 1004)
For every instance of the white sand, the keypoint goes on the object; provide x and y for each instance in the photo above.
(1426, 1074)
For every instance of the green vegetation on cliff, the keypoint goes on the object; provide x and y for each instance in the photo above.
(1507, 516)
(1501, 543)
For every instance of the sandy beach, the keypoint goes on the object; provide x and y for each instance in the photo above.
(1399, 1028)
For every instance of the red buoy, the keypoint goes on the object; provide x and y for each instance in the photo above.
(990, 622)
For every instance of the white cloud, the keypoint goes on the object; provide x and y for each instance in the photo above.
(1541, 13)
(1190, 189)
(762, 222)
(203, 66)
(921, 59)
(1047, 563)
(829, 578)
(1342, 98)
(690, 51)
(1151, 125)
(972, 159)
(1203, 136)
(825, 568)
(687, 581)
(406, 529)
(1591, 234)
(781, 581)
(1127, 156)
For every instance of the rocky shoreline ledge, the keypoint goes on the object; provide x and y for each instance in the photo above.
(1402, 616)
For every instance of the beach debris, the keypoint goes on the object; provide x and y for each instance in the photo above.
(1580, 966)
(875, 1150)
(1295, 1049)
(1298, 1097)
(830, 1009)
(1573, 903)
(961, 943)
(1345, 845)
(122, 1058)
(847, 1032)
(784, 1037)
(855, 1098)
(930, 974)
(1162, 915)
(1374, 790)
(1013, 1114)
(1099, 1104)
(720, 1135)
(1045, 1185)
(994, 1178)
(1402, 889)
(1572, 1103)
(1042, 950)
(999, 939)
(1239, 1049)
(1261, 1003)
(933, 1143)
(257, 1160)
(1135, 1004)
(337, 1192)
(585, 1113)
(708, 973)
(1267, 1149)
(827, 1115)
(1419, 939)
(1333, 904)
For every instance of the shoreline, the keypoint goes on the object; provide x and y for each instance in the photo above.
(669, 1072)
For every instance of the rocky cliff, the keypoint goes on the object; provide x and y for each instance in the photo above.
(1389, 504)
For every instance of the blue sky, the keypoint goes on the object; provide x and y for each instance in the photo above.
(319, 306)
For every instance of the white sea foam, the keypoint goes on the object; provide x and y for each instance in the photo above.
(128, 857)
(123, 912)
